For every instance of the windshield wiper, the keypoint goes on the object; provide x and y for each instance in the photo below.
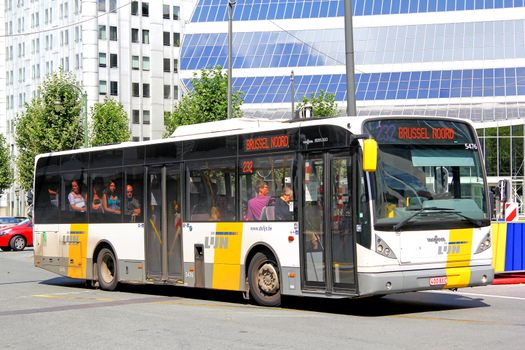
(402, 223)
(420, 211)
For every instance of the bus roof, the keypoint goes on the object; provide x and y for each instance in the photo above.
(250, 125)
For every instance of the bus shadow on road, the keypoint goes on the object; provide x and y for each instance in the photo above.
(397, 304)
(391, 305)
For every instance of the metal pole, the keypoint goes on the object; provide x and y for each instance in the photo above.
(85, 117)
(351, 109)
(230, 43)
(292, 83)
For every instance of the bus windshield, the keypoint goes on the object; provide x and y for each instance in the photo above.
(429, 175)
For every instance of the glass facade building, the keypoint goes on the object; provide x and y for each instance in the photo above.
(458, 58)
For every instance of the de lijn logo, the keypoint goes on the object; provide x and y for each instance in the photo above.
(451, 248)
(218, 240)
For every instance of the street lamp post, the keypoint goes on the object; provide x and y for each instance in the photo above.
(230, 43)
(351, 109)
(85, 118)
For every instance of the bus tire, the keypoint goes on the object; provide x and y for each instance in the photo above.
(107, 270)
(264, 281)
(17, 243)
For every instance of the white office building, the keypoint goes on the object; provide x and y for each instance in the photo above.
(120, 49)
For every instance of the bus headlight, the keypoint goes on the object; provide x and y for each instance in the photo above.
(485, 244)
(383, 249)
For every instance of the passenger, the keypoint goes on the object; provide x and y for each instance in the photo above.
(96, 205)
(132, 204)
(215, 215)
(257, 203)
(110, 200)
(77, 201)
(282, 205)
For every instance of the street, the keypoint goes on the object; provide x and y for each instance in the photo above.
(45, 311)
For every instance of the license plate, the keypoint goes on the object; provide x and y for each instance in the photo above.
(438, 281)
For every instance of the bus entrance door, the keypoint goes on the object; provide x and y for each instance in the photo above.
(163, 225)
(328, 235)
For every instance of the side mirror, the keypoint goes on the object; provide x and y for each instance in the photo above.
(369, 155)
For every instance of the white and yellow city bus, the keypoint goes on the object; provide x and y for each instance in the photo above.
(212, 207)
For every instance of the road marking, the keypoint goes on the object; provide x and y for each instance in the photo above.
(67, 297)
(493, 296)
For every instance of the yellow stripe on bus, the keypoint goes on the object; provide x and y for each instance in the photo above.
(227, 261)
(458, 258)
(499, 241)
(77, 251)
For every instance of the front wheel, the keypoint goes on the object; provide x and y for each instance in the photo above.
(18, 243)
(263, 278)
(107, 270)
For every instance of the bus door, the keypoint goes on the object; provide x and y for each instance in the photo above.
(163, 224)
(327, 232)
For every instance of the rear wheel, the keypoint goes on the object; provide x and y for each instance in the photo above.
(263, 277)
(107, 269)
(17, 243)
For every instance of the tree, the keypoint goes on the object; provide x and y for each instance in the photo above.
(323, 105)
(109, 123)
(6, 174)
(51, 122)
(206, 102)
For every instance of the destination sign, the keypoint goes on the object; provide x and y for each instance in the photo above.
(266, 143)
(422, 131)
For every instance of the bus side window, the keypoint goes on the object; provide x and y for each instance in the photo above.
(211, 191)
(133, 195)
(73, 197)
(47, 198)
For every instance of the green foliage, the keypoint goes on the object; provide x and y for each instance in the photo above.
(323, 105)
(51, 122)
(109, 123)
(6, 174)
(208, 101)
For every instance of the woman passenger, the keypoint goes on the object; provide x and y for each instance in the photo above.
(110, 199)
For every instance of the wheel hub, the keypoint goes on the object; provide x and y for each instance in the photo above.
(19, 243)
(107, 270)
(268, 279)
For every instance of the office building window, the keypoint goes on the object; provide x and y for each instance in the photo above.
(113, 33)
(166, 11)
(145, 90)
(101, 5)
(112, 5)
(175, 65)
(145, 36)
(145, 63)
(145, 138)
(134, 35)
(166, 38)
(176, 39)
(102, 32)
(134, 8)
(175, 92)
(167, 91)
(135, 63)
(167, 68)
(136, 116)
(145, 117)
(113, 88)
(176, 12)
(135, 139)
(113, 60)
(145, 9)
(102, 62)
(135, 89)
(102, 87)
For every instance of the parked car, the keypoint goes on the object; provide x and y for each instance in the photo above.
(17, 237)
(6, 221)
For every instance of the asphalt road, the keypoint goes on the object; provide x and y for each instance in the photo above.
(40, 310)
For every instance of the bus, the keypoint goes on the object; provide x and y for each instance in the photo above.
(343, 207)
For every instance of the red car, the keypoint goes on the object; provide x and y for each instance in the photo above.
(17, 237)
